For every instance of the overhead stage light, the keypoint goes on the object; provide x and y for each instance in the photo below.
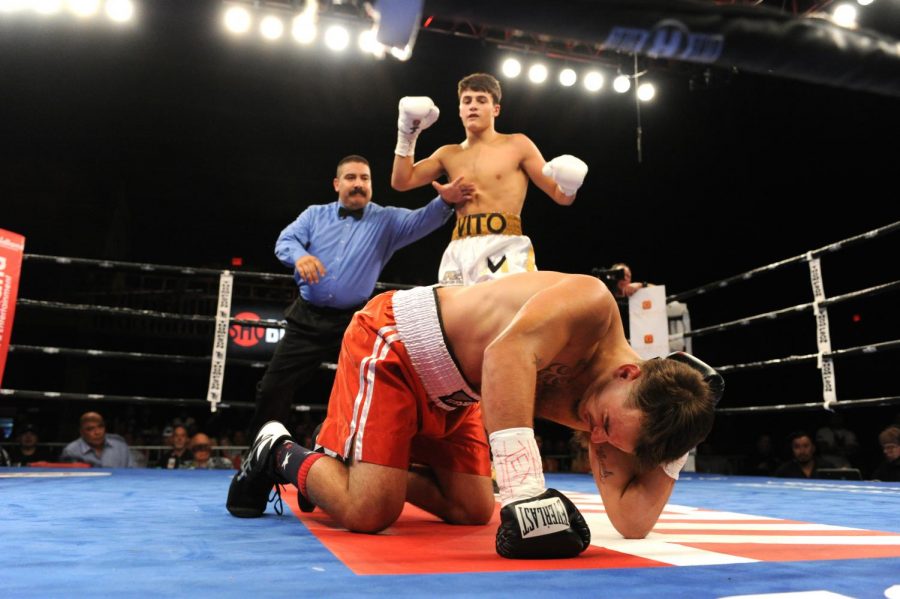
(844, 15)
(369, 44)
(645, 92)
(567, 77)
(537, 73)
(12, 5)
(303, 29)
(622, 84)
(120, 11)
(84, 8)
(237, 19)
(271, 27)
(593, 81)
(337, 38)
(47, 7)
(511, 68)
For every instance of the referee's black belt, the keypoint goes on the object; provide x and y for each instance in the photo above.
(328, 310)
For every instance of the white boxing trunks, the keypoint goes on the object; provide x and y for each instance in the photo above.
(485, 247)
(419, 327)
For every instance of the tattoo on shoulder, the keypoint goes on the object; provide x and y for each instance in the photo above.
(557, 374)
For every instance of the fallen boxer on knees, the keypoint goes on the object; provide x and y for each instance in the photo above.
(424, 372)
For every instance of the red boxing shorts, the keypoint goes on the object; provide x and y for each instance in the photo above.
(380, 410)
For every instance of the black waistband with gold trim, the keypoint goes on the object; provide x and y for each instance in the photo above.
(489, 223)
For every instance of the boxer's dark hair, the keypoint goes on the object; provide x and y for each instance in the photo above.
(480, 82)
(678, 411)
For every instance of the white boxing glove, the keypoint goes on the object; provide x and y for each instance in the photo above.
(416, 113)
(567, 171)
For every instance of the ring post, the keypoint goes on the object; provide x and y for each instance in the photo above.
(220, 341)
(824, 360)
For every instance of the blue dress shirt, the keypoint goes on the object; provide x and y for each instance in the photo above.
(353, 251)
(115, 453)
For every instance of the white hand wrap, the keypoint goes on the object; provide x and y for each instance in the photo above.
(567, 171)
(517, 462)
(674, 467)
(416, 113)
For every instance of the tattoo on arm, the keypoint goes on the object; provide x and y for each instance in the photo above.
(601, 458)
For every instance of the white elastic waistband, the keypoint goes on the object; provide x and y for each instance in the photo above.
(416, 315)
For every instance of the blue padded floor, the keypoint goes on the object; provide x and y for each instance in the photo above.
(156, 533)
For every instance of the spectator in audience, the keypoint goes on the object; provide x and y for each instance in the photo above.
(836, 443)
(618, 280)
(889, 469)
(188, 422)
(625, 287)
(201, 447)
(4, 458)
(762, 461)
(180, 453)
(96, 447)
(167, 434)
(27, 451)
(804, 463)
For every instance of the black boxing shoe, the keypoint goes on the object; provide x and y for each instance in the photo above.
(251, 486)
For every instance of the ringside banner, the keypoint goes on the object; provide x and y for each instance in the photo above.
(12, 245)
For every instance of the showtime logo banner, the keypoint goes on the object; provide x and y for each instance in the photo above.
(12, 245)
(254, 342)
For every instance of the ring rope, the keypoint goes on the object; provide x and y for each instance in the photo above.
(138, 399)
(182, 359)
(50, 305)
(141, 313)
(183, 270)
(832, 247)
(269, 322)
(128, 355)
(850, 351)
(876, 401)
(791, 310)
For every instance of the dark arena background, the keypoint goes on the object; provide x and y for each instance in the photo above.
(144, 149)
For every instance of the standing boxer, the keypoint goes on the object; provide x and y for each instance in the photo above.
(487, 240)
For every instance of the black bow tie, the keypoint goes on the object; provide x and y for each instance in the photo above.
(345, 212)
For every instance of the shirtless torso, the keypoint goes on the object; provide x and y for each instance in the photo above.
(495, 169)
(586, 345)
